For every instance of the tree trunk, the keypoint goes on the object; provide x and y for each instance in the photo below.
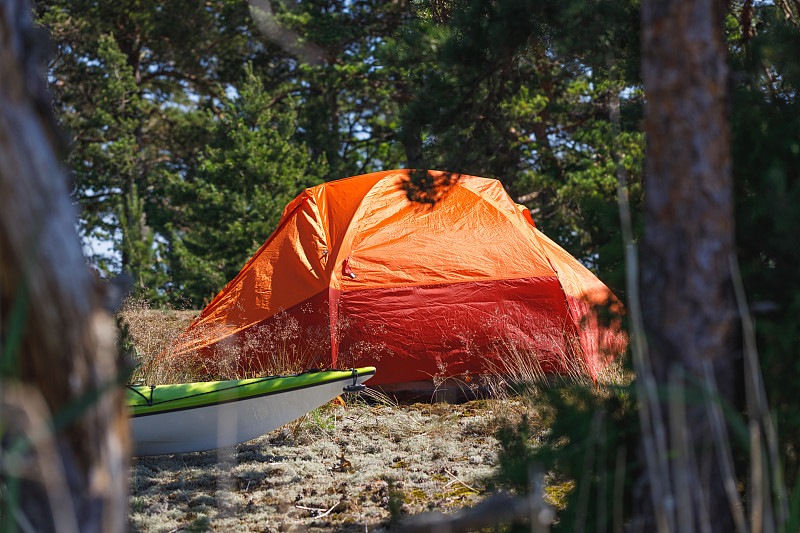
(65, 345)
(688, 304)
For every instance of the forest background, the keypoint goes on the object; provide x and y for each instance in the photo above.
(192, 124)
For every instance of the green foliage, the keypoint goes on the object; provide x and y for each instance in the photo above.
(199, 525)
(520, 91)
(9, 503)
(139, 248)
(395, 503)
(349, 104)
(144, 92)
(793, 521)
(13, 332)
(248, 173)
(129, 79)
(765, 120)
(585, 439)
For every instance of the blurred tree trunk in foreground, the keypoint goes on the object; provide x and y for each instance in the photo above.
(62, 350)
(687, 297)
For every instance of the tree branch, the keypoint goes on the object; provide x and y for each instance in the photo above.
(497, 509)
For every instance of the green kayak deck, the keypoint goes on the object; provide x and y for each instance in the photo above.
(148, 400)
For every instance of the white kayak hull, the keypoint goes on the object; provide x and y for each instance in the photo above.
(206, 427)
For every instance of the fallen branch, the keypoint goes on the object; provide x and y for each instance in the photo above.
(456, 479)
(499, 508)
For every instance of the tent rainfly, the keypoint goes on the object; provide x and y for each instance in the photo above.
(356, 275)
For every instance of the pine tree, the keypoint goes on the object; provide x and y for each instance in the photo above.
(142, 252)
(520, 91)
(139, 88)
(250, 170)
(130, 81)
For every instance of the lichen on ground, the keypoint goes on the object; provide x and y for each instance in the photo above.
(354, 467)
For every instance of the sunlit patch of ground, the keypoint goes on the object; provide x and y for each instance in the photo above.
(339, 468)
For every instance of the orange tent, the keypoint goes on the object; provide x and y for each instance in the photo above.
(356, 274)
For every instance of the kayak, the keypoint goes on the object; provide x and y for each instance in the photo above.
(191, 417)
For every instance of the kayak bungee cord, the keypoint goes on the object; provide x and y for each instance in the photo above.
(150, 400)
(355, 387)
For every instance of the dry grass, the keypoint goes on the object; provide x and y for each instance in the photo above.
(522, 357)
(151, 331)
(158, 358)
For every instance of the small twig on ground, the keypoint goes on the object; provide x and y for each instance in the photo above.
(304, 508)
(457, 480)
(318, 510)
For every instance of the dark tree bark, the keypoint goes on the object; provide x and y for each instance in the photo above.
(687, 297)
(67, 349)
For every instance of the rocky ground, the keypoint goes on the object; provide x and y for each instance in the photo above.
(356, 467)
